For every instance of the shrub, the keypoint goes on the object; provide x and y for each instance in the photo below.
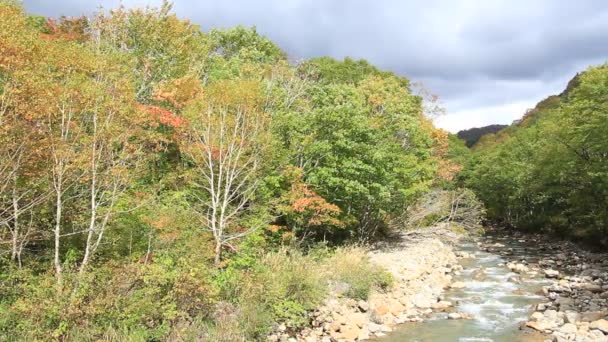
(352, 266)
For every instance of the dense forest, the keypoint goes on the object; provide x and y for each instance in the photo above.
(549, 172)
(159, 182)
(472, 135)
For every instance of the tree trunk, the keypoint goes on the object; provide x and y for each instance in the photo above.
(218, 253)
(59, 207)
(15, 237)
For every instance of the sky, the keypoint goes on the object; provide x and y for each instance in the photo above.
(487, 60)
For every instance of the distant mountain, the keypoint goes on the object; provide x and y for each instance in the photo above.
(472, 135)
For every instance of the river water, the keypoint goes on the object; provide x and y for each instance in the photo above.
(497, 306)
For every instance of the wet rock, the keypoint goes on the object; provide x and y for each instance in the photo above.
(454, 315)
(551, 273)
(458, 285)
(514, 279)
(441, 305)
(517, 268)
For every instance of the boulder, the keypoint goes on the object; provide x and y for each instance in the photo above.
(349, 332)
(551, 273)
(363, 305)
(593, 288)
(381, 310)
(592, 316)
(600, 324)
(571, 317)
(537, 316)
(454, 315)
(568, 328)
(441, 305)
(374, 327)
(359, 319)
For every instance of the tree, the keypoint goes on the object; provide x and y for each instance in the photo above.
(225, 141)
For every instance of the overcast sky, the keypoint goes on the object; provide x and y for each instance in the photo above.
(488, 60)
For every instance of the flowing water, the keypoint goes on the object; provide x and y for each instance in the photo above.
(498, 306)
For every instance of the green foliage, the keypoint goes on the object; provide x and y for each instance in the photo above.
(352, 267)
(104, 205)
(549, 172)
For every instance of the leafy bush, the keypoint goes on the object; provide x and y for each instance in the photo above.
(459, 206)
(352, 266)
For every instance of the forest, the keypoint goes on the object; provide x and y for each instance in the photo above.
(548, 172)
(158, 182)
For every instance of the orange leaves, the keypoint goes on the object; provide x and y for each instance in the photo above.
(306, 207)
(68, 29)
(179, 92)
(163, 116)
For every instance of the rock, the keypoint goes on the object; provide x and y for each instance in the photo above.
(396, 308)
(363, 334)
(441, 305)
(349, 332)
(593, 288)
(568, 328)
(514, 279)
(537, 316)
(597, 336)
(541, 307)
(536, 326)
(363, 305)
(592, 316)
(421, 301)
(373, 327)
(335, 326)
(551, 273)
(458, 285)
(359, 319)
(518, 268)
(571, 317)
(600, 324)
(454, 315)
(604, 295)
(381, 310)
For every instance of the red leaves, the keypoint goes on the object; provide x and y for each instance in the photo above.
(163, 116)
(68, 29)
(310, 208)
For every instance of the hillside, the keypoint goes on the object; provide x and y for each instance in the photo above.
(472, 135)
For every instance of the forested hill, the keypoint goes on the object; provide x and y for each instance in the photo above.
(472, 135)
(549, 172)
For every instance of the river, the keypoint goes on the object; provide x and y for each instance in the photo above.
(494, 298)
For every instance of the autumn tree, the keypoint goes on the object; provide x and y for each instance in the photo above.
(226, 139)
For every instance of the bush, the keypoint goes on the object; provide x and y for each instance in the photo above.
(352, 266)
(460, 207)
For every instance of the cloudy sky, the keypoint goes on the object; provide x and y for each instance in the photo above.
(488, 60)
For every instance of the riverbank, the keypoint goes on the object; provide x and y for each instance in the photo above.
(422, 264)
(575, 305)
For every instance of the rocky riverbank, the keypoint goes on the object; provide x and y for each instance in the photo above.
(576, 300)
(421, 263)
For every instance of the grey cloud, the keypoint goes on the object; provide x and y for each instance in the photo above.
(471, 53)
